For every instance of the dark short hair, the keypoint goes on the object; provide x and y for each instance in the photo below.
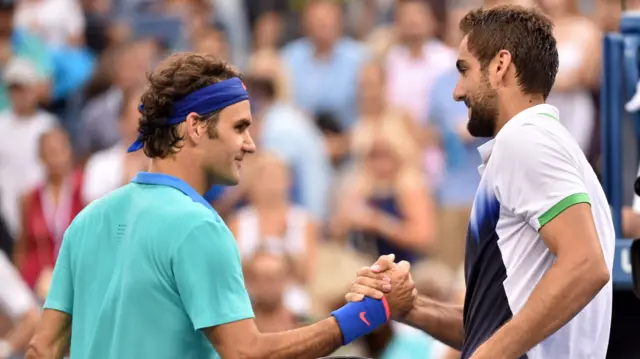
(526, 33)
(174, 78)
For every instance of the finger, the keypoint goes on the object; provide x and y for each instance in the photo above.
(383, 263)
(369, 273)
(405, 265)
(414, 294)
(354, 297)
(379, 285)
(366, 291)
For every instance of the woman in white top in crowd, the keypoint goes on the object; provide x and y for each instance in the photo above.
(272, 223)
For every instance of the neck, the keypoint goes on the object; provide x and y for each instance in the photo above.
(415, 47)
(55, 180)
(514, 106)
(183, 169)
(24, 113)
(323, 50)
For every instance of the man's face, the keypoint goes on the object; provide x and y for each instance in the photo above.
(323, 22)
(266, 278)
(475, 89)
(227, 144)
(414, 21)
(24, 99)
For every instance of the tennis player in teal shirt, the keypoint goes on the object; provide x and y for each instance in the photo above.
(152, 271)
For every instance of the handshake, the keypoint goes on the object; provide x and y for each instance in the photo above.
(380, 292)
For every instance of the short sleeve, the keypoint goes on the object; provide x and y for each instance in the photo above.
(535, 175)
(208, 274)
(61, 292)
(15, 297)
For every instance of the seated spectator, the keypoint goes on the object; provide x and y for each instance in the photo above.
(267, 277)
(19, 43)
(270, 221)
(17, 302)
(212, 41)
(383, 206)
(48, 209)
(113, 167)
(21, 127)
(324, 65)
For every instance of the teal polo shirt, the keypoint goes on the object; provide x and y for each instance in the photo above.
(142, 269)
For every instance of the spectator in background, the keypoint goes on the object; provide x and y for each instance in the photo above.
(98, 127)
(579, 70)
(109, 169)
(17, 302)
(212, 41)
(285, 131)
(267, 276)
(324, 65)
(383, 206)
(413, 64)
(58, 22)
(457, 190)
(375, 113)
(21, 127)
(271, 222)
(19, 43)
(48, 209)
(268, 31)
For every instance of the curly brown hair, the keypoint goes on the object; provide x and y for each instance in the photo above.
(526, 33)
(174, 78)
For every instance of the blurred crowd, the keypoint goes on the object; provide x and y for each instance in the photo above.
(362, 150)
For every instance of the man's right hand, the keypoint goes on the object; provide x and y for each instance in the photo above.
(386, 278)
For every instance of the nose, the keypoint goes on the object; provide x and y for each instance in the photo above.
(458, 93)
(248, 146)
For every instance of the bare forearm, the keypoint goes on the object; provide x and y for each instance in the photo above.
(441, 321)
(317, 340)
(561, 293)
(403, 235)
(23, 331)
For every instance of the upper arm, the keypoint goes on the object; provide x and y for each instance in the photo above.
(208, 275)
(540, 182)
(416, 203)
(231, 338)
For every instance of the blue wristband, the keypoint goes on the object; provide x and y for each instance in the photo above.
(361, 318)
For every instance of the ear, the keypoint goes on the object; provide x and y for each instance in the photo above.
(194, 128)
(502, 61)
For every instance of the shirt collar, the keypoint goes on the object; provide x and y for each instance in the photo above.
(171, 181)
(542, 109)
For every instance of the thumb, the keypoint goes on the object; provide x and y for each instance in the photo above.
(383, 263)
(405, 265)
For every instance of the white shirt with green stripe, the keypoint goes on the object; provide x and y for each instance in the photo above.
(532, 171)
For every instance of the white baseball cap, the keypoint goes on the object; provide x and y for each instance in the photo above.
(20, 72)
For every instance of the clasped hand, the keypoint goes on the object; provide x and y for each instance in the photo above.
(388, 279)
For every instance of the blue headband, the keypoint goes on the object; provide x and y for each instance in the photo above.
(204, 101)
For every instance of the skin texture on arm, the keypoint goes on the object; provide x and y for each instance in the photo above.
(52, 337)
(242, 340)
(440, 320)
(576, 277)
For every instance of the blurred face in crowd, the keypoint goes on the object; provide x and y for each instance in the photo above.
(222, 146)
(372, 89)
(268, 30)
(270, 180)
(414, 21)
(266, 278)
(382, 160)
(6, 28)
(323, 22)
(558, 7)
(475, 89)
(212, 42)
(24, 99)
(133, 62)
(56, 153)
